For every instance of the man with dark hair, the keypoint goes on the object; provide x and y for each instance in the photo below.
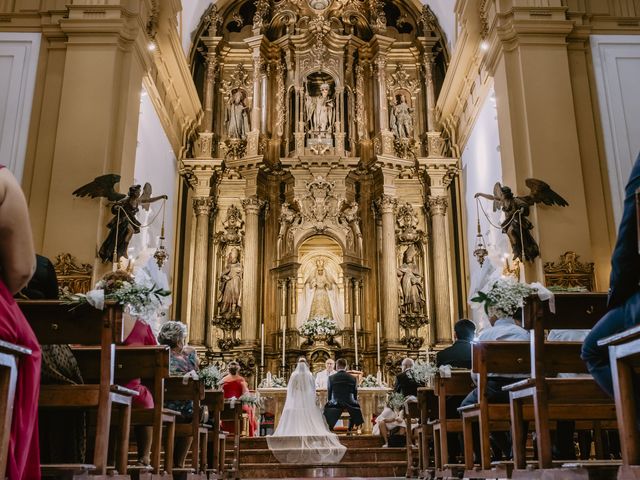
(458, 355)
(342, 394)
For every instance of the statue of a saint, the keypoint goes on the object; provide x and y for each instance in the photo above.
(320, 110)
(323, 285)
(411, 294)
(237, 116)
(401, 118)
(230, 290)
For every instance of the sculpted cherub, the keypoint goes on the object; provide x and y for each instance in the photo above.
(516, 210)
(124, 208)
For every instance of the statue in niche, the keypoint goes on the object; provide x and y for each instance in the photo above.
(320, 111)
(411, 293)
(288, 218)
(230, 290)
(322, 284)
(350, 218)
(237, 120)
(401, 118)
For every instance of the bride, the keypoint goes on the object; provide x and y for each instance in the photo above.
(302, 435)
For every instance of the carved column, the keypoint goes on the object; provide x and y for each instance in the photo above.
(256, 110)
(202, 207)
(388, 267)
(207, 94)
(251, 275)
(430, 90)
(381, 64)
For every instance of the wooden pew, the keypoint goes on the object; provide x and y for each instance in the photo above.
(54, 322)
(428, 406)
(624, 354)
(214, 401)
(458, 385)
(10, 355)
(499, 358)
(233, 414)
(151, 365)
(193, 391)
(556, 398)
(411, 411)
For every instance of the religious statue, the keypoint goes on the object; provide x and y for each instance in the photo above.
(320, 110)
(349, 218)
(516, 225)
(321, 296)
(237, 116)
(401, 118)
(230, 289)
(124, 207)
(412, 298)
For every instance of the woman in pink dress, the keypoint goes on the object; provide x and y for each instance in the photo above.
(17, 264)
(234, 385)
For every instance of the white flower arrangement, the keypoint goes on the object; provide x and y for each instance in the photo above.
(395, 401)
(319, 325)
(251, 399)
(273, 382)
(422, 372)
(505, 297)
(212, 377)
(371, 381)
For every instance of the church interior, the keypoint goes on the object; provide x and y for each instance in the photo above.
(246, 190)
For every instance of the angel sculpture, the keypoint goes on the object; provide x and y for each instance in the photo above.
(124, 208)
(516, 210)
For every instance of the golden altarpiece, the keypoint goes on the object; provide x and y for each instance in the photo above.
(320, 183)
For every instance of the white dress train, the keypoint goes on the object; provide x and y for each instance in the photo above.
(302, 435)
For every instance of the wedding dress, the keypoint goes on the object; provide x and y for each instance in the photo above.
(302, 435)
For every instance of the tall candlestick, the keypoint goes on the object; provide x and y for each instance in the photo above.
(262, 344)
(378, 342)
(355, 339)
(284, 338)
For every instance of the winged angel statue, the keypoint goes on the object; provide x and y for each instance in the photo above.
(124, 207)
(516, 210)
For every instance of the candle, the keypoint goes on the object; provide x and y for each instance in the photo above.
(378, 342)
(355, 339)
(284, 338)
(262, 344)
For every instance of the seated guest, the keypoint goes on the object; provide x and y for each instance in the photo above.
(457, 355)
(624, 294)
(182, 360)
(322, 378)
(405, 383)
(387, 422)
(234, 385)
(502, 329)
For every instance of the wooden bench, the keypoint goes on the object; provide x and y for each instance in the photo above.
(624, 354)
(428, 406)
(54, 322)
(411, 412)
(233, 414)
(458, 385)
(151, 365)
(10, 355)
(214, 401)
(193, 390)
(498, 358)
(555, 398)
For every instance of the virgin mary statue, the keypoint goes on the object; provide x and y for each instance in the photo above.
(321, 296)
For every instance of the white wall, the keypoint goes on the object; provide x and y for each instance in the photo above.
(481, 169)
(156, 164)
(443, 10)
(616, 61)
(192, 10)
(18, 64)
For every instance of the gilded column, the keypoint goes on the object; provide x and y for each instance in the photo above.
(388, 266)
(256, 110)
(431, 92)
(208, 95)
(438, 211)
(202, 207)
(381, 64)
(251, 275)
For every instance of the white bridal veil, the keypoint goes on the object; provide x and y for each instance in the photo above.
(302, 435)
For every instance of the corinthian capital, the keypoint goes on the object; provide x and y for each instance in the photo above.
(438, 205)
(387, 204)
(252, 205)
(202, 206)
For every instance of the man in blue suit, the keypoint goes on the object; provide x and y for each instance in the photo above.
(624, 292)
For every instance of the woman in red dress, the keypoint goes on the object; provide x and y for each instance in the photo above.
(234, 385)
(17, 264)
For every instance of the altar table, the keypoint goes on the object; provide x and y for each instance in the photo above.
(372, 401)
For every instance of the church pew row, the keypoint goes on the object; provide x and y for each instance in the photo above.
(624, 355)
(214, 401)
(428, 406)
(232, 414)
(10, 355)
(411, 412)
(56, 323)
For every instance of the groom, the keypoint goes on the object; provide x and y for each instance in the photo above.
(343, 395)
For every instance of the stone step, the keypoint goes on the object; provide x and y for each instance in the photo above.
(343, 470)
(363, 455)
(354, 441)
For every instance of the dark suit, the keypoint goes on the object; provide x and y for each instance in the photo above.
(406, 385)
(457, 355)
(342, 394)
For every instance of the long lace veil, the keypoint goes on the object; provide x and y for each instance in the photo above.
(302, 435)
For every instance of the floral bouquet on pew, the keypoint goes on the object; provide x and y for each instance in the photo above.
(212, 377)
(395, 401)
(423, 372)
(504, 297)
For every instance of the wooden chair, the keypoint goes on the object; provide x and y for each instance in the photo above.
(54, 322)
(499, 358)
(556, 398)
(458, 385)
(411, 411)
(193, 390)
(624, 354)
(10, 355)
(428, 406)
(233, 414)
(214, 400)
(151, 365)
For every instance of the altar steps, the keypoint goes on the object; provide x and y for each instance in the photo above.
(365, 457)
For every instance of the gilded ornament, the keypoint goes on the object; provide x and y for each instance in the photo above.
(568, 272)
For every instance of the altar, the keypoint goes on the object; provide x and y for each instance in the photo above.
(372, 401)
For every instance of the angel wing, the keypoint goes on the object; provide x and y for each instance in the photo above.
(497, 196)
(146, 196)
(101, 187)
(541, 192)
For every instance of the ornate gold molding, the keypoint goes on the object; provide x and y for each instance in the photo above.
(569, 272)
(72, 276)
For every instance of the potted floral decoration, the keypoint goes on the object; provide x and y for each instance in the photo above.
(271, 381)
(319, 328)
(423, 372)
(395, 401)
(504, 298)
(212, 377)
(371, 381)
